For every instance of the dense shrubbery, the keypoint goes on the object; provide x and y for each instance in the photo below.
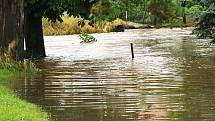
(71, 25)
(206, 24)
(160, 13)
(194, 11)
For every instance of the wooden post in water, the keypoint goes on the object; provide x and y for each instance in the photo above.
(132, 50)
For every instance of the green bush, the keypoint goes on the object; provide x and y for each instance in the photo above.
(206, 24)
(194, 11)
(86, 38)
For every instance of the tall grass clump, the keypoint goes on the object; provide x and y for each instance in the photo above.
(9, 64)
(67, 27)
(71, 25)
(110, 26)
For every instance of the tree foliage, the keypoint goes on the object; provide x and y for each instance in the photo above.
(206, 24)
(108, 9)
(54, 9)
(160, 9)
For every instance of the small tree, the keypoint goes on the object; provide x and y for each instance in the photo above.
(206, 25)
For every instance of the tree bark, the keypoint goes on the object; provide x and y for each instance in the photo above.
(11, 28)
(34, 36)
(184, 16)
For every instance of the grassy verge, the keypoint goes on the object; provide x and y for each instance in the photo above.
(12, 108)
(6, 74)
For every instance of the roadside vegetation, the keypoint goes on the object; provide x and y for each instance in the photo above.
(12, 108)
(75, 25)
(107, 14)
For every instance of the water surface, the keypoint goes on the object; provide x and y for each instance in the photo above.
(172, 78)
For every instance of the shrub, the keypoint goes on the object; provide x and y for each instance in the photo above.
(194, 11)
(71, 25)
(110, 26)
(206, 24)
(67, 27)
(86, 38)
(88, 28)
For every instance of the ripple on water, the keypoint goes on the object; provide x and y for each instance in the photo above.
(171, 78)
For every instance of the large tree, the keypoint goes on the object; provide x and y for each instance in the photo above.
(11, 27)
(35, 10)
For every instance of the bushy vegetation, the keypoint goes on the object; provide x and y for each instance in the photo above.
(71, 25)
(155, 12)
(103, 13)
(86, 38)
(206, 22)
(108, 10)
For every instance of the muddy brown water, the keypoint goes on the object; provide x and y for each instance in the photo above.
(172, 78)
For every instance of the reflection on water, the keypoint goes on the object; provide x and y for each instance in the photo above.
(171, 78)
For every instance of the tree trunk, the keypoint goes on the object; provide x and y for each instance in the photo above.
(11, 28)
(184, 16)
(34, 36)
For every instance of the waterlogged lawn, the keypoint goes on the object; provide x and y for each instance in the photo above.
(14, 109)
(6, 75)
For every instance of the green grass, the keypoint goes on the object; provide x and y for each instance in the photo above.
(6, 74)
(14, 109)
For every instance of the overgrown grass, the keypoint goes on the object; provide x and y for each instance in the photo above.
(9, 64)
(14, 109)
(71, 25)
(11, 107)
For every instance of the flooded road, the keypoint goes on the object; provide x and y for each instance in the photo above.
(172, 78)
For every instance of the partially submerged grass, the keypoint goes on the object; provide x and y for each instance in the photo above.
(11, 107)
(14, 109)
(9, 64)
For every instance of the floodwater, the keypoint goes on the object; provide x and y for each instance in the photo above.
(171, 78)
